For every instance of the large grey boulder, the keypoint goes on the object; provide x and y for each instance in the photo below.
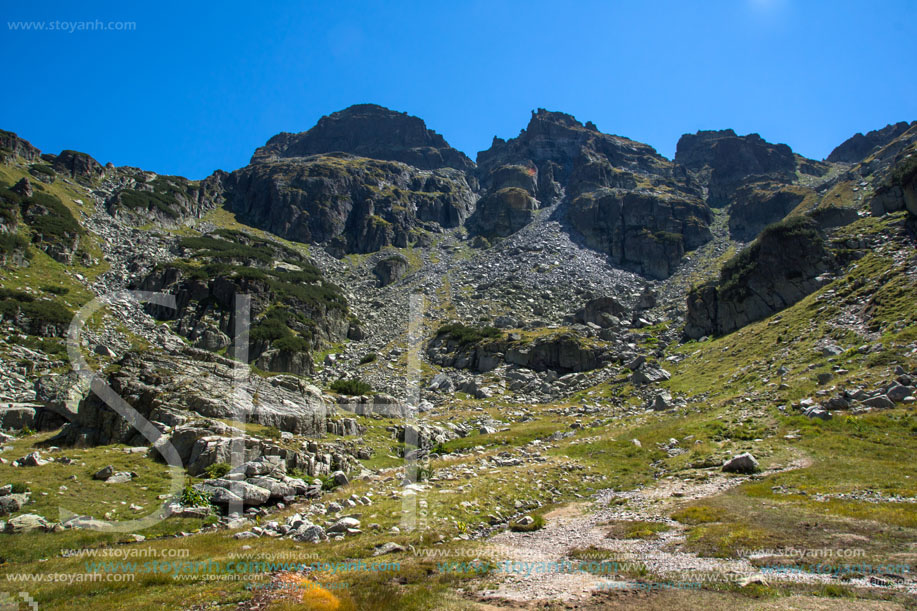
(27, 522)
(17, 416)
(743, 463)
(224, 492)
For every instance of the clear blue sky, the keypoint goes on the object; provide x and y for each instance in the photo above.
(197, 86)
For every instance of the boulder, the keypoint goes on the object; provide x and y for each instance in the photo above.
(31, 460)
(11, 503)
(27, 522)
(104, 473)
(649, 374)
(502, 213)
(224, 492)
(390, 269)
(17, 416)
(743, 463)
(344, 525)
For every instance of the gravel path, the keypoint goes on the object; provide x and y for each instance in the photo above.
(579, 526)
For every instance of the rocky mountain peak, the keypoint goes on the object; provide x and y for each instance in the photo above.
(723, 162)
(372, 131)
(859, 146)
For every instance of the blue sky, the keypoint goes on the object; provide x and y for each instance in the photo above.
(196, 86)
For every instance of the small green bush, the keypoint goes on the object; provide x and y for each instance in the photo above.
(55, 290)
(368, 358)
(191, 497)
(351, 387)
(465, 335)
(19, 488)
(292, 343)
(217, 470)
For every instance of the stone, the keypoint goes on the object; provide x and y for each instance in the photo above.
(11, 503)
(17, 416)
(649, 374)
(27, 522)
(898, 393)
(344, 524)
(119, 477)
(224, 492)
(388, 548)
(340, 478)
(104, 473)
(31, 460)
(743, 463)
(662, 402)
(311, 533)
(880, 401)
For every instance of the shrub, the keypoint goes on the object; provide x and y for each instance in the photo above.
(149, 200)
(217, 248)
(43, 168)
(467, 335)
(328, 482)
(10, 242)
(58, 221)
(292, 343)
(55, 290)
(351, 387)
(14, 303)
(192, 497)
(217, 470)
(368, 358)
(19, 488)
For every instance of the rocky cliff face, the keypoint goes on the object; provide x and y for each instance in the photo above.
(760, 204)
(349, 204)
(556, 155)
(724, 162)
(360, 180)
(648, 232)
(621, 196)
(294, 310)
(859, 146)
(139, 197)
(14, 145)
(783, 265)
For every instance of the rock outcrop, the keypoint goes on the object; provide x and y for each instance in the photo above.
(647, 232)
(723, 162)
(173, 389)
(859, 146)
(78, 165)
(898, 191)
(144, 197)
(18, 146)
(294, 310)
(390, 269)
(623, 198)
(502, 213)
(562, 353)
(783, 265)
(349, 204)
(757, 205)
